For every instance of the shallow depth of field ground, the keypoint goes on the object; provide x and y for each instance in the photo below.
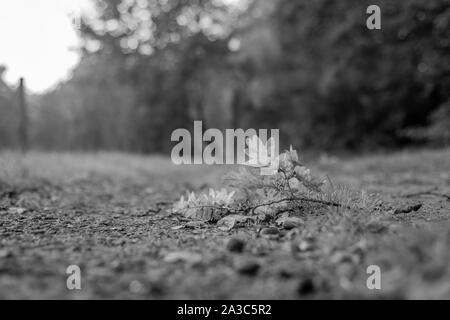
(107, 214)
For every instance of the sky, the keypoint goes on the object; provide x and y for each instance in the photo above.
(37, 40)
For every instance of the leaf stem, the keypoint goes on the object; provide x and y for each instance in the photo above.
(327, 203)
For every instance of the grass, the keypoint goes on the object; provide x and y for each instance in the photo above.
(61, 167)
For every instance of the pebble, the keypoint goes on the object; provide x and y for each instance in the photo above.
(183, 256)
(290, 223)
(376, 226)
(306, 287)
(229, 222)
(235, 245)
(136, 287)
(248, 268)
(270, 232)
(5, 253)
(307, 245)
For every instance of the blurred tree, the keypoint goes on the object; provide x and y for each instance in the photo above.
(336, 84)
(148, 68)
(372, 84)
(90, 111)
(310, 68)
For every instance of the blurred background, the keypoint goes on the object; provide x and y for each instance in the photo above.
(123, 74)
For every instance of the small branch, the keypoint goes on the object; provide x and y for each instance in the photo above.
(286, 178)
(430, 192)
(438, 195)
(327, 203)
(207, 207)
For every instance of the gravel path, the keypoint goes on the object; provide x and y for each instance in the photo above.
(107, 214)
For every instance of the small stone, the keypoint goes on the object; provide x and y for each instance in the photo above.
(229, 222)
(346, 270)
(344, 257)
(287, 272)
(265, 210)
(5, 253)
(157, 288)
(136, 287)
(307, 245)
(270, 232)
(235, 245)
(183, 256)
(248, 268)
(376, 226)
(306, 287)
(290, 223)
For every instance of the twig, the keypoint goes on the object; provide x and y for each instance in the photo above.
(327, 203)
(252, 210)
(208, 207)
(429, 192)
(438, 195)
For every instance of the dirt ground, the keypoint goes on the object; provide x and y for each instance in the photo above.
(107, 213)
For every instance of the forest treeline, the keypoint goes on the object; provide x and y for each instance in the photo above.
(309, 68)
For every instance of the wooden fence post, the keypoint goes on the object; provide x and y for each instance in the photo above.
(23, 125)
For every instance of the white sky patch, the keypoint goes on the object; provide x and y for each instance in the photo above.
(36, 38)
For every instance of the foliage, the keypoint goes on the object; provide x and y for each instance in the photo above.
(438, 132)
(209, 206)
(253, 193)
(340, 85)
(309, 68)
(439, 129)
(144, 68)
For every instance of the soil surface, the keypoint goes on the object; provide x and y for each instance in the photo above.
(107, 213)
